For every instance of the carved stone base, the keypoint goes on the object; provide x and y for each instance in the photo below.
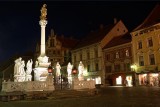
(28, 78)
(50, 82)
(76, 84)
(19, 78)
(41, 70)
(81, 78)
(40, 74)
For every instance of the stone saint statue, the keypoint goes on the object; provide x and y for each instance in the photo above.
(17, 66)
(22, 71)
(69, 69)
(43, 12)
(58, 68)
(80, 69)
(29, 67)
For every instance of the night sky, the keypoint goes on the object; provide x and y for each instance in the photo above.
(20, 29)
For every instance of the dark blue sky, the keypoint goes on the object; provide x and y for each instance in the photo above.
(19, 21)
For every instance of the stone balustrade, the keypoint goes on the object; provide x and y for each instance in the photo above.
(76, 84)
(27, 86)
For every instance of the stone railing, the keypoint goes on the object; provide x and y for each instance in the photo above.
(76, 84)
(26, 86)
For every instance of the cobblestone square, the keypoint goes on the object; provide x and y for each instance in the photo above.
(108, 97)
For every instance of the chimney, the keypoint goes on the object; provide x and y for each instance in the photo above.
(101, 26)
(115, 20)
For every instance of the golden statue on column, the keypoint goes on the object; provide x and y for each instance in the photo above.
(43, 12)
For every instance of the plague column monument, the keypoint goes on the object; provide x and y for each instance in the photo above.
(41, 72)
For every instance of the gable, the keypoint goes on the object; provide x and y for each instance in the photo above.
(118, 30)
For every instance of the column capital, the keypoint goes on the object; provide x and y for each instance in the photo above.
(43, 22)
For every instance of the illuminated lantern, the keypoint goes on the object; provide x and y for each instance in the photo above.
(50, 70)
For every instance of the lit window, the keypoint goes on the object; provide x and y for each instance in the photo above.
(152, 60)
(127, 53)
(140, 45)
(117, 55)
(141, 61)
(150, 42)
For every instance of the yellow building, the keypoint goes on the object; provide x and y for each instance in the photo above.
(89, 50)
(146, 49)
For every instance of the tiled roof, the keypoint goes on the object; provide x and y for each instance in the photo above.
(152, 18)
(94, 36)
(67, 42)
(119, 40)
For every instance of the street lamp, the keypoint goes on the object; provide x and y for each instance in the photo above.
(50, 69)
(74, 71)
(134, 67)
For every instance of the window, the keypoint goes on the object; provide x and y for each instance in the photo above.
(108, 68)
(128, 67)
(108, 57)
(117, 68)
(117, 55)
(97, 68)
(141, 61)
(54, 52)
(88, 68)
(150, 42)
(152, 60)
(80, 57)
(96, 53)
(51, 42)
(58, 52)
(75, 58)
(127, 53)
(88, 55)
(140, 45)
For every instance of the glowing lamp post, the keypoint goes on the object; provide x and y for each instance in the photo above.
(50, 69)
(134, 67)
(74, 71)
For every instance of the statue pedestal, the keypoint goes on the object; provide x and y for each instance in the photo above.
(41, 70)
(49, 81)
(81, 78)
(19, 78)
(78, 85)
(28, 78)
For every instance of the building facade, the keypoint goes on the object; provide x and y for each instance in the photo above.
(118, 60)
(89, 50)
(146, 49)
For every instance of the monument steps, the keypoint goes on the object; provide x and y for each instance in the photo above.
(59, 94)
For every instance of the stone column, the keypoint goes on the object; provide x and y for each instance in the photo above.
(43, 24)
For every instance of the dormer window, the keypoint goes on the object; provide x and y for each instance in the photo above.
(127, 53)
(117, 55)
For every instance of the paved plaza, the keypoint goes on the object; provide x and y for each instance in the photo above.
(108, 97)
